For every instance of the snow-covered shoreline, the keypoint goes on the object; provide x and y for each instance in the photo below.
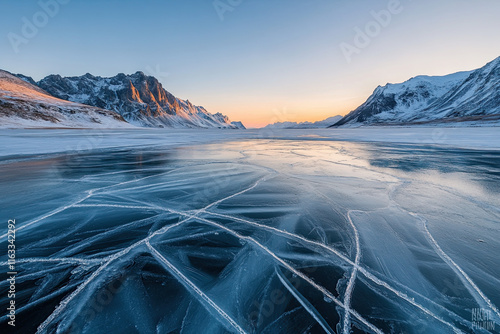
(16, 142)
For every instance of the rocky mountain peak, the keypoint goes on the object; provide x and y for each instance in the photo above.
(455, 97)
(139, 98)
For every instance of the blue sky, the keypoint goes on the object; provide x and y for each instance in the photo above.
(265, 60)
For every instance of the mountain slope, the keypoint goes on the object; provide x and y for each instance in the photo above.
(463, 96)
(23, 104)
(140, 99)
(304, 125)
(477, 95)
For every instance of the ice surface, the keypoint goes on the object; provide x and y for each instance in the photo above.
(283, 232)
(18, 142)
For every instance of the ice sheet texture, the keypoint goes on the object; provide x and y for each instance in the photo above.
(255, 236)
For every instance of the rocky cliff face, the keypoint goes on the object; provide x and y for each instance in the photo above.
(139, 98)
(23, 104)
(462, 96)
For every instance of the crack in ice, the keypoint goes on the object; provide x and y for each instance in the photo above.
(305, 303)
(352, 279)
(346, 305)
(361, 269)
(62, 306)
(189, 285)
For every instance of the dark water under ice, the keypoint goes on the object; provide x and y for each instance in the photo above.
(257, 236)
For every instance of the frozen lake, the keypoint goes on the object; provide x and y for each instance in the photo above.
(299, 231)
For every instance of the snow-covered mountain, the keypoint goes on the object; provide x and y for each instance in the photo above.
(477, 95)
(238, 125)
(25, 105)
(139, 98)
(305, 125)
(459, 97)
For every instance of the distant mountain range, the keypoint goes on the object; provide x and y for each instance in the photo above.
(471, 97)
(305, 125)
(136, 99)
(468, 98)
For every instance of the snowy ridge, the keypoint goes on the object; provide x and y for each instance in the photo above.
(24, 105)
(478, 95)
(139, 98)
(460, 97)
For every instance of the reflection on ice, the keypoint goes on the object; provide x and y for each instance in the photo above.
(261, 236)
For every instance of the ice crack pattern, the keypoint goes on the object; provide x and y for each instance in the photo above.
(266, 236)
